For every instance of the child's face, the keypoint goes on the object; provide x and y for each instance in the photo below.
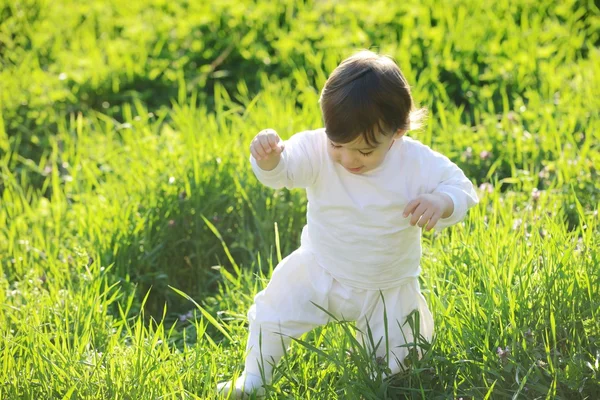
(358, 157)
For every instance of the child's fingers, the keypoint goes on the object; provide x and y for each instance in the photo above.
(434, 219)
(410, 207)
(426, 217)
(277, 144)
(255, 153)
(268, 131)
(279, 148)
(258, 148)
(264, 143)
(273, 141)
(417, 214)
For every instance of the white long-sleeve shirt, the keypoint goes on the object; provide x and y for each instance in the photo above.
(355, 225)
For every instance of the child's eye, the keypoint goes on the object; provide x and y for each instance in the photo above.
(335, 146)
(366, 154)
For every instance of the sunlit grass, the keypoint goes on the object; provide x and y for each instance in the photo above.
(133, 239)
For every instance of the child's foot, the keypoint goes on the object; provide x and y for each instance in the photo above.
(245, 385)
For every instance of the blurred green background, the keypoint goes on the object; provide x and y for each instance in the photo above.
(124, 129)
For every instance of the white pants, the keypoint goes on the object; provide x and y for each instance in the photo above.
(285, 309)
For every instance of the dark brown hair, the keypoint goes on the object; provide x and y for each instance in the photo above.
(366, 94)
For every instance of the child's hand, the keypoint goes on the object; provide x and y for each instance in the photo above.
(428, 209)
(266, 144)
(266, 148)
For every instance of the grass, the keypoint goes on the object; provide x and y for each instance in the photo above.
(133, 235)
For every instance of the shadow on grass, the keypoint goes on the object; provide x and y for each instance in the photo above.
(186, 238)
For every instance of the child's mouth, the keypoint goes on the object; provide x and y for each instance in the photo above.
(354, 170)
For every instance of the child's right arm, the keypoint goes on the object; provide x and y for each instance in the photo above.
(291, 164)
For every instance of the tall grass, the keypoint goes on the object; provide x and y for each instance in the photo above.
(133, 236)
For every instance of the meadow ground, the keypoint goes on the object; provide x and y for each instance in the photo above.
(133, 234)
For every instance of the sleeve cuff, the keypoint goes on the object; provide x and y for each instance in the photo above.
(458, 213)
(270, 178)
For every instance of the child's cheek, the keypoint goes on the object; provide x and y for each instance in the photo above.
(331, 154)
(378, 158)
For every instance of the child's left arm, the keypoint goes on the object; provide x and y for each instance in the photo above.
(449, 195)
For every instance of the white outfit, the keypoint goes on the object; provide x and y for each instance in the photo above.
(355, 247)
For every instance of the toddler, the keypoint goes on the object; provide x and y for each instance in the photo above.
(371, 190)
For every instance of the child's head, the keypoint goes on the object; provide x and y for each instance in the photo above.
(366, 105)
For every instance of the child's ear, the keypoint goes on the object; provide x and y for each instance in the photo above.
(399, 133)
